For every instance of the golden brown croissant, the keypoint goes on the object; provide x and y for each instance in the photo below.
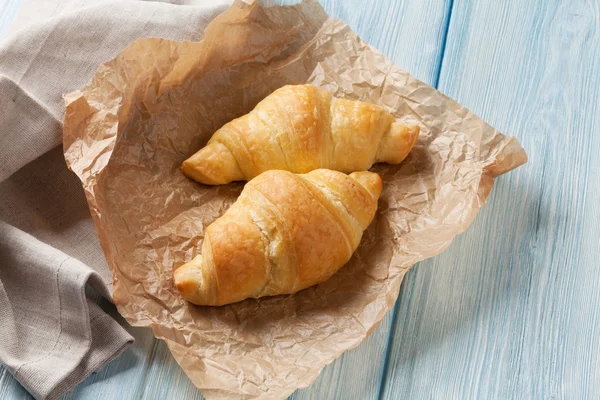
(299, 129)
(285, 232)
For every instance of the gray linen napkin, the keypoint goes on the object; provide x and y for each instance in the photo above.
(53, 334)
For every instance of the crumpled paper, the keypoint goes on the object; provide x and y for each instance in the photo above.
(158, 101)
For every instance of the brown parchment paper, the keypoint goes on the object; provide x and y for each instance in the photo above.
(158, 101)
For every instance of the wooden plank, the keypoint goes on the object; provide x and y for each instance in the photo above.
(410, 32)
(10, 388)
(8, 10)
(511, 309)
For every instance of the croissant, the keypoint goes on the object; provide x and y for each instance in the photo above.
(285, 232)
(299, 129)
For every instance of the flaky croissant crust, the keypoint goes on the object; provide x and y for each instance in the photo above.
(285, 233)
(301, 128)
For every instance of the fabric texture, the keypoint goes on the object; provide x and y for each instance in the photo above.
(54, 334)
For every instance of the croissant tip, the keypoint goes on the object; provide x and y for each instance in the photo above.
(195, 170)
(214, 164)
(190, 170)
(183, 286)
(370, 181)
(187, 278)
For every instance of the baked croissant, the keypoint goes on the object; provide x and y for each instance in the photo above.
(285, 232)
(299, 129)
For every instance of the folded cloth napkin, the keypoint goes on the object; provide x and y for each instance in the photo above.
(53, 334)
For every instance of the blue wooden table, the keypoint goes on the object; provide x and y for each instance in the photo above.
(512, 308)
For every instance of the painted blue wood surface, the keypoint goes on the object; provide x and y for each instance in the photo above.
(8, 10)
(511, 309)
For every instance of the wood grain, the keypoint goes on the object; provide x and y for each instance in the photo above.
(8, 10)
(511, 309)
